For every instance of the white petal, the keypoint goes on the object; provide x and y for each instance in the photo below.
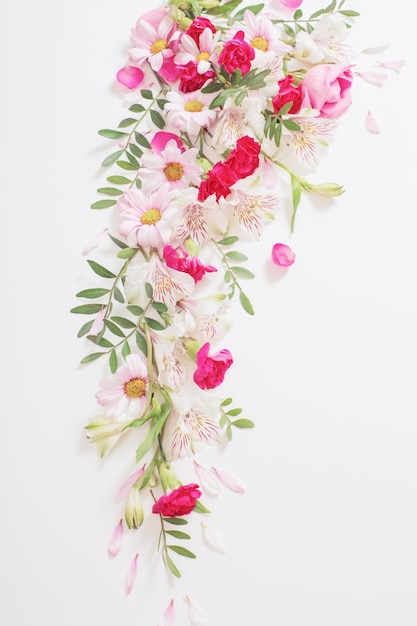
(213, 538)
(197, 615)
(371, 124)
(208, 481)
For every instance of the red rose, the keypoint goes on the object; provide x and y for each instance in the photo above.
(219, 180)
(197, 27)
(211, 369)
(244, 158)
(190, 79)
(288, 92)
(236, 54)
(180, 501)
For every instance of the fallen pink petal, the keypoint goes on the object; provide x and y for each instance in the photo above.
(94, 242)
(395, 66)
(291, 4)
(168, 618)
(131, 574)
(282, 255)
(116, 540)
(229, 480)
(208, 481)
(371, 124)
(98, 323)
(375, 78)
(130, 76)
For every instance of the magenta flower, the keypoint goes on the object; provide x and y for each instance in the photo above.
(282, 255)
(178, 502)
(211, 368)
(182, 262)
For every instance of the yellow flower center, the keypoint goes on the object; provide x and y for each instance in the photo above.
(260, 43)
(151, 216)
(173, 171)
(203, 56)
(194, 106)
(135, 388)
(158, 46)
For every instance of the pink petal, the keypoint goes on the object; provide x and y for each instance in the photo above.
(93, 242)
(229, 480)
(371, 124)
(131, 574)
(127, 484)
(130, 76)
(375, 78)
(168, 618)
(115, 543)
(292, 4)
(161, 139)
(98, 323)
(208, 481)
(282, 255)
(396, 66)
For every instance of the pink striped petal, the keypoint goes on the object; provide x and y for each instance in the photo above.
(116, 540)
(94, 242)
(131, 574)
(375, 78)
(229, 480)
(282, 255)
(130, 76)
(371, 124)
(168, 618)
(396, 66)
(127, 484)
(208, 481)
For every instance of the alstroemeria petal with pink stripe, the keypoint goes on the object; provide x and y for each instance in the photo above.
(127, 484)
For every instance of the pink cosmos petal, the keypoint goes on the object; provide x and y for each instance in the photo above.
(375, 78)
(291, 4)
(371, 124)
(229, 480)
(208, 481)
(94, 242)
(115, 543)
(127, 484)
(282, 255)
(396, 66)
(168, 618)
(98, 323)
(130, 76)
(131, 574)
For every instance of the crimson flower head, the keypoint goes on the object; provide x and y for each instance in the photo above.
(236, 54)
(219, 180)
(211, 369)
(244, 158)
(288, 92)
(197, 26)
(182, 262)
(180, 501)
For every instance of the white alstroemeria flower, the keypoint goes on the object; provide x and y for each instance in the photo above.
(324, 44)
(234, 121)
(196, 613)
(213, 539)
(191, 424)
(199, 220)
(189, 112)
(207, 318)
(173, 166)
(172, 361)
(203, 54)
(251, 210)
(169, 286)
(105, 432)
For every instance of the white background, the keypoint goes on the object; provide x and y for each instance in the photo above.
(325, 534)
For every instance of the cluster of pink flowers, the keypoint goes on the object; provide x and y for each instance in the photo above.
(227, 108)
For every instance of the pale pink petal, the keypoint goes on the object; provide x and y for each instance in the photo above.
(291, 4)
(208, 481)
(396, 66)
(282, 255)
(94, 242)
(213, 539)
(127, 484)
(131, 574)
(168, 618)
(229, 480)
(196, 613)
(98, 323)
(130, 76)
(371, 124)
(115, 543)
(375, 78)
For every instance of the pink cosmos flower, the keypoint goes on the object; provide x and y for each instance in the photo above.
(182, 262)
(130, 76)
(178, 502)
(145, 218)
(327, 89)
(151, 39)
(202, 52)
(236, 54)
(211, 369)
(282, 255)
(125, 395)
(173, 167)
(189, 112)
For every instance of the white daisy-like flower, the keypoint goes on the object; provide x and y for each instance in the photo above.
(262, 34)
(203, 54)
(207, 318)
(169, 286)
(189, 112)
(145, 218)
(124, 395)
(151, 42)
(174, 167)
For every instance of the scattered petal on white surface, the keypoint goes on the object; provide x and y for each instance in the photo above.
(196, 613)
(168, 618)
(208, 481)
(94, 242)
(229, 480)
(131, 574)
(213, 539)
(371, 124)
(376, 49)
(396, 66)
(116, 540)
(375, 78)
(127, 484)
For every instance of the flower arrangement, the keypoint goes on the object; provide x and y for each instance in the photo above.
(229, 108)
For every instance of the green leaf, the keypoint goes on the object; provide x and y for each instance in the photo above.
(161, 307)
(123, 322)
(291, 125)
(177, 521)
(100, 270)
(255, 8)
(153, 431)
(149, 290)
(234, 412)
(119, 243)
(134, 309)
(219, 100)
(112, 158)
(112, 134)
(85, 329)
(243, 423)
(242, 272)
(349, 13)
(110, 191)
(246, 304)
(172, 567)
(134, 149)
(128, 121)
(200, 508)
(91, 357)
(118, 296)
(157, 118)
(137, 108)
(126, 165)
(228, 241)
(178, 534)
(296, 189)
(103, 204)
(147, 94)
(228, 7)
(126, 349)
(102, 342)
(92, 293)
(133, 160)
(142, 141)
(236, 256)
(229, 433)
(141, 343)
(212, 88)
(298, 14)
(114, 329)
(226, 402)
(126, 253)
(154, 324)
(87, 309)
(113, 361)
(182, 551)
(118, 180)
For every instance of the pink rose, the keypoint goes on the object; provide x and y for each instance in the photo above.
(327, 89)
(288, 92)
(178, 502)
(188, 264)
(237, 53)
(244, 158)
(211, 369)
(197, 27)
(219, 180)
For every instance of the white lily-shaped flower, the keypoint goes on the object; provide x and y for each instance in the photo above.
(251, 209)
(197, 220)
(233, 122)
